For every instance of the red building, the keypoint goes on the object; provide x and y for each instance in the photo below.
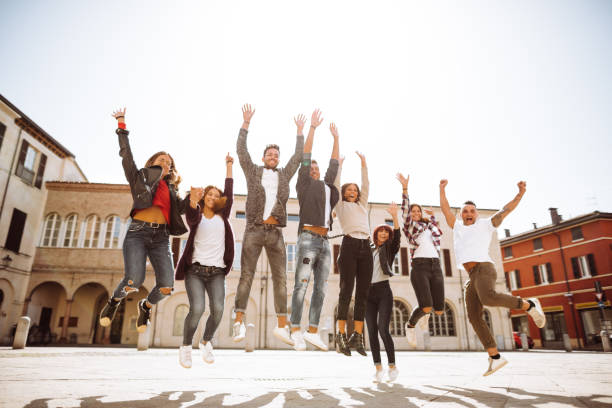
(568, 266)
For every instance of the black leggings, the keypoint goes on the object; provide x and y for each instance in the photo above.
(428, 284)
(355, 263)
(378, 316)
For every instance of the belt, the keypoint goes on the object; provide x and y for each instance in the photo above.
(149, 224)
(270, 226)
(314, 234)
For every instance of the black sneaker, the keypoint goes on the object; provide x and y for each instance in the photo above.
(108, 312)
(343, 346)
(356, 342)
(144, 313)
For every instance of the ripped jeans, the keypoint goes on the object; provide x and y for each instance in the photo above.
(313, 259)
(141, 241)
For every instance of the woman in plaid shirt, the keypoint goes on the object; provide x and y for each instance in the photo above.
(427, 280)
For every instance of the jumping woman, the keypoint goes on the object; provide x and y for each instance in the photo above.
(355, 258)
(380, 298)
(156, 214)
(206, 260)
(427, 280)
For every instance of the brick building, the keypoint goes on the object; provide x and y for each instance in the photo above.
(561, 264)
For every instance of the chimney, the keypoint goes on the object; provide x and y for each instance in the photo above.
(534, 225)
(554, 216)
(507, 232)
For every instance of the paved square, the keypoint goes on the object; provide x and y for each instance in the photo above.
(118, 378)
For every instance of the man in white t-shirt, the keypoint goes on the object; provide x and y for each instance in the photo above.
(472, 237)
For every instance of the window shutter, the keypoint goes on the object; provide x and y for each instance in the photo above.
(41, 171)
(22, 156)
(447, 262)
(2, 130)
(13, 238)
(508, 280)
(576, 268)
(336, 253)
(176, 247)
(517, 275)
(549, 273)
(592, 267)
(536, 275)
(404, 256)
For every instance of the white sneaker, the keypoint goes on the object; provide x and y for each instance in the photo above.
(378, 376)
(298, 341)
(185, 356)
(537, 314)
(239, 331)
(393, 373)
(495, 365)
(282, 333)
(424, 322)
(411, 336)
(315, 340)
(207, 354)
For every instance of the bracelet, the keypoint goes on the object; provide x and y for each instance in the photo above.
(119, 117)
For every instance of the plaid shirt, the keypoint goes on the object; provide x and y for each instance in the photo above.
(412, 229)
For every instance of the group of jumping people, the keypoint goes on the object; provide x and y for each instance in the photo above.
(365, 260)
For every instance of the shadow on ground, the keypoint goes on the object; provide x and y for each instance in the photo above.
(384, 395)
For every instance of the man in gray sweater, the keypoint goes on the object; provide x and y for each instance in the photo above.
(266, 214)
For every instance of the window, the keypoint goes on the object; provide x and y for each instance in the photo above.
(396, 264)
(537, 244)
(237, 254)
(291, 257)
(487, 318)
(513, 279)
(29, 160)
(508, 252)
(51, 230)
(113, 231)
(577, 234)
(179, 319)
(446, 261)
(71, 237)
(444, 324)
(240, 214)
(2, 131)
(293, 217)
(91, 231)
(542, 273)
(399, 318)
(13, 238)
(389, 222)
(584, 266)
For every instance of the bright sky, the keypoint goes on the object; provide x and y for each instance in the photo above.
(482, 93)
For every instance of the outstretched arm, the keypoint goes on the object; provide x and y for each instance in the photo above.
(448, 214)
(228, 191)
(365, 182)
(499, 216)
(241, 146)
(315, 121)
(405, 199)
(296, 159)
(332, 169)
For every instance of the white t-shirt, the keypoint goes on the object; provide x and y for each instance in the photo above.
(472, 241)
(378, 275)
(269, 181)
(209, 242)
(426, 248)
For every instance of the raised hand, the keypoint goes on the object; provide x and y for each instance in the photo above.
(392, 209)
(196, 194)
(443, 183)
(428, 211)
(362, 157)
(404, 180)
(316, 119)
(247, 112)
(334, 130)
(229, 160)
(522, 185)
(117, 114)
(300, 121)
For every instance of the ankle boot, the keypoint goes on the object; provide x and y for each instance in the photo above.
(356, 342)
(343, 346)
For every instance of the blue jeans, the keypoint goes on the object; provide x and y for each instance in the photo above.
(141, 241)
(198, 281)
(313, 258)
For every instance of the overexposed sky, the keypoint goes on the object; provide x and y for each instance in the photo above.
(484, 93)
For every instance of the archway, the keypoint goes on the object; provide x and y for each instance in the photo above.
(46, 306)
(88, 301)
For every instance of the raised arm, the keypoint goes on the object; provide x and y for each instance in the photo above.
(228, 191)
(334, 131)
(241, 146)
(332, 169)
(193, 213)
(396, 239)
(304, 178)
(499, 216)
(365, 183)
(295, 160)
(405, 199)
(315, 121)
(448, 214)
(127, 160)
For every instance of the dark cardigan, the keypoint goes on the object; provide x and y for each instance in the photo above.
(387, 252)
(194, 216)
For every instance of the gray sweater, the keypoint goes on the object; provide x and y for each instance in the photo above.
(256, 195)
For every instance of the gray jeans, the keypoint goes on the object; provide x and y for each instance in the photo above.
(479, 291)
(255, 238)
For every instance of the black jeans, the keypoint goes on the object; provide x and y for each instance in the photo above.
(378, 316)
(355, 263)
(198, 281)
(428, 284)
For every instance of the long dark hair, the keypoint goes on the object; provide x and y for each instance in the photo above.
(172, 177)
(345, 186)
(378, 229)
(424, 219)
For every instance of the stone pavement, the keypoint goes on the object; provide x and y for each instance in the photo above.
(120, 378)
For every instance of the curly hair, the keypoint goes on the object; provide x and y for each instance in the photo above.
(219, 203)
(345, 186)
(172, 177)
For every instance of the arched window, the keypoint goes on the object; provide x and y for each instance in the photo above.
(91, 231)
(399, 318)
(113, 231)
(71, 236)
(487, 318)
(444, 324)
(179, 319)
(51, 230)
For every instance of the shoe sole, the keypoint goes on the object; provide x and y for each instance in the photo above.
(141, 329)
(284, 340)
(503, 364)
(315, 345)
(183, 365)
(538, 307)
(105, 321)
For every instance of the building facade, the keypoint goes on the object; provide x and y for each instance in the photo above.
(29, 156)
(568, 266)
(74, 275)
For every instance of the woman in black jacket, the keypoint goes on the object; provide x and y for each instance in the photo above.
(156, 214)
(380, 297)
